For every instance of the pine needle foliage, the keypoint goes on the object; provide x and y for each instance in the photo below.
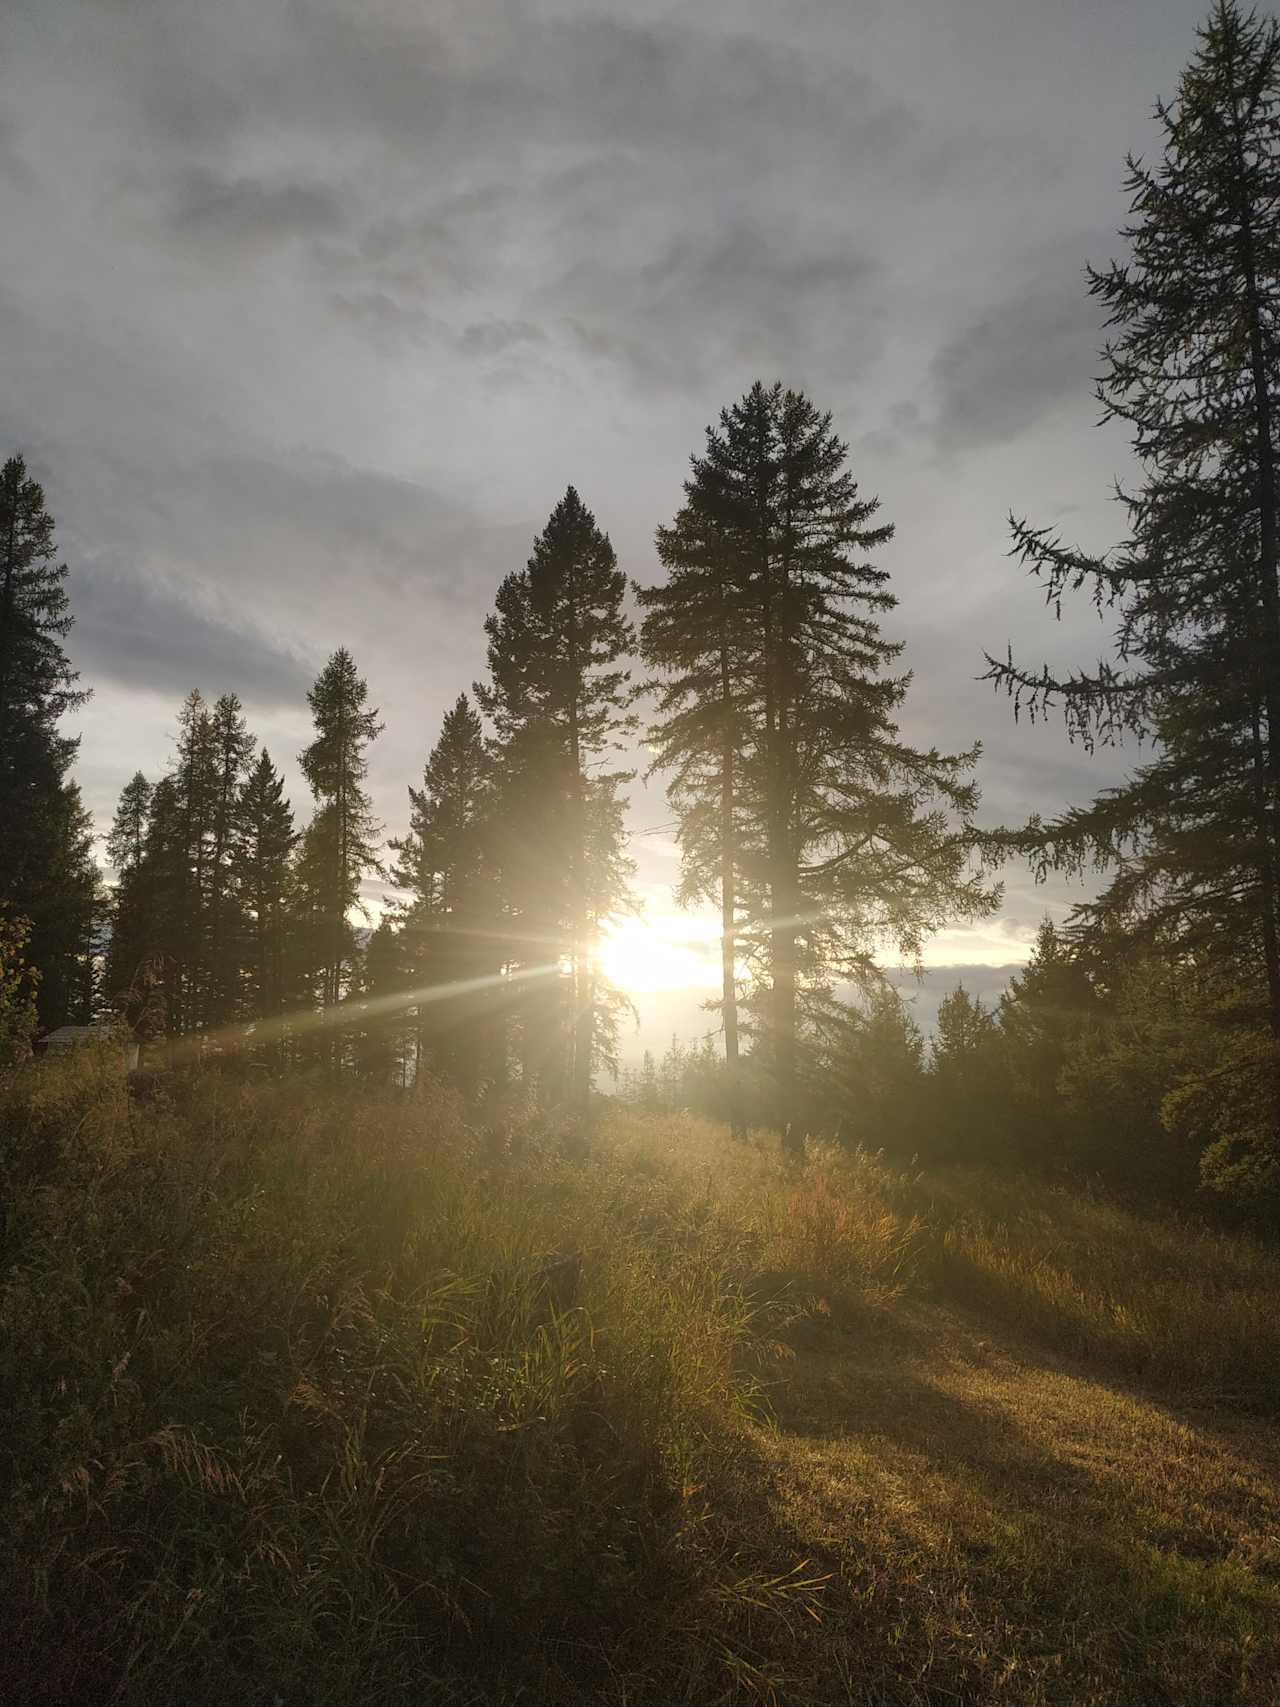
(777, 687)
(1192, 838)
(340, 846)
(47, 873)
(558, 699)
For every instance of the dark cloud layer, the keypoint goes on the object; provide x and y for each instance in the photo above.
(232, 212)
(1029, 353)
(143, 636)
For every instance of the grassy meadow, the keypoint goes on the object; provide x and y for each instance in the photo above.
(325, 1396)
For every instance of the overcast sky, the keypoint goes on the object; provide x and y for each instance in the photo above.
(311, 309)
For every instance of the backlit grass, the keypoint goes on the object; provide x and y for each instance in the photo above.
(327, 1397)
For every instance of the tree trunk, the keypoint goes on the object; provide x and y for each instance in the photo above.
(583, 1042)
(782, 862)
(728, 909)
(783, 1003)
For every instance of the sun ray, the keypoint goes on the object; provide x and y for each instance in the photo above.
(646, 954)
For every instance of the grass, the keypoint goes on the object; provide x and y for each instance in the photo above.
(1186, 1308)
(329, 1397)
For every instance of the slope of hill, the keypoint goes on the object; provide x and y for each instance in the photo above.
(326, 1396)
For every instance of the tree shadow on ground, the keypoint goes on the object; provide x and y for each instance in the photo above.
(999, 1525)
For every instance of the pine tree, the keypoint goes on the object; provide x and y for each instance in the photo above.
(65, 904)
(340, 844)
(1042, 1012)
(186, 868)
(47, 872)
(149, 985)
(262, 876)
(448, 919)
(384, 1040)
(843, 834)
(557, 697)
(37, 683)
(865, 1072)
(696, 634)
(1193, 837)
(233, 748)
(968, 1080)
(127, 838)
(126, 849)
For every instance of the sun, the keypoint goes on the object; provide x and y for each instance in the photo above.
(664, 953)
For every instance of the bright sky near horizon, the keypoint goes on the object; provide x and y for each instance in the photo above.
(312, 311)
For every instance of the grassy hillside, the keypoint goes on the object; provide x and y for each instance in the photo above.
(325, 1397)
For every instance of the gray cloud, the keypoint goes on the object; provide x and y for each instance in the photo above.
(249, 211)
(490, 76)
(741, 298)
(13, 164)
(496, 337)
(145, 636)
(1033, 351)
(312, 311)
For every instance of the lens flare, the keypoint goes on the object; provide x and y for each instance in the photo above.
(646, 954)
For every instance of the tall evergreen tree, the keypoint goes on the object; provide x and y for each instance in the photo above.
(968, 1080)
(130, 925)
(844, 833)
(47, 872)
(340, 844)
(1193, 837)
(127, 838)
(37, 683)
(19, 980)
(262, 874)
(1040, 1015)
(148, 985)
(448, 918)
(442, 849)
(185, 869)
(233, 748)
(177, 921)
(384, 1041)
(696, 634)
(557, 696)
(66, 906)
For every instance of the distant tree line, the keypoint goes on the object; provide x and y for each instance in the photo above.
(1142, 1043)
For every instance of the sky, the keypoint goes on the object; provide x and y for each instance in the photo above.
(311, 310)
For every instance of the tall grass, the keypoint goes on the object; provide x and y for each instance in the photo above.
(314, 1396)
(322, 1395)
(1150, 1295)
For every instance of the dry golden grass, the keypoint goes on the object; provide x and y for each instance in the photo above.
(1188, 1308)
(296, 1420)
(1002, 1526)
